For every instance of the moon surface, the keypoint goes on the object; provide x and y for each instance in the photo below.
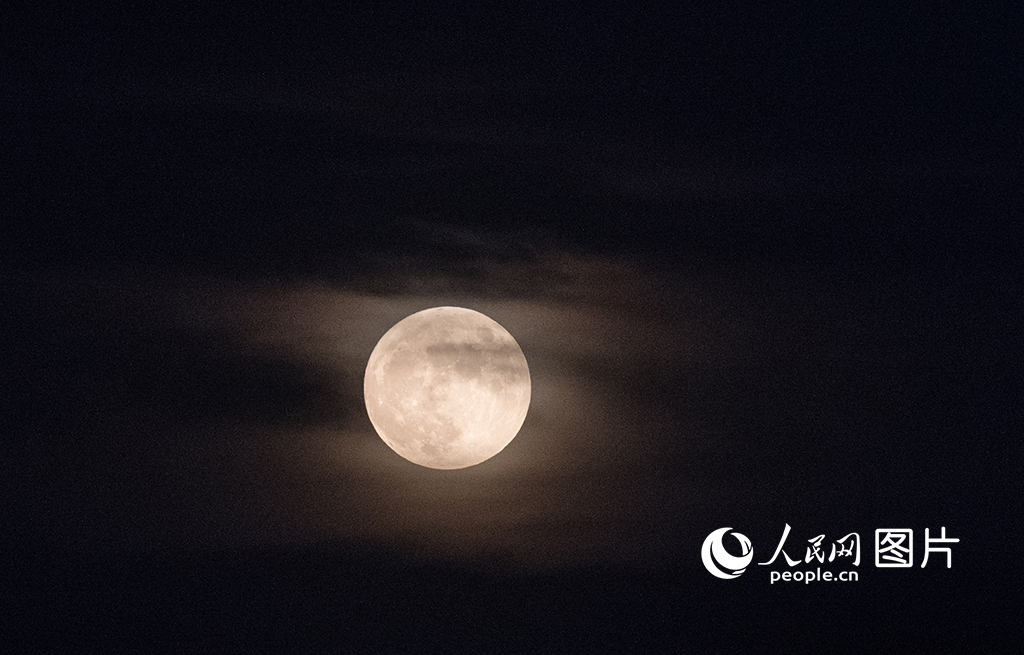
(447, 388)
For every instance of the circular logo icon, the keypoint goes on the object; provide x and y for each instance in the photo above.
(719, 562)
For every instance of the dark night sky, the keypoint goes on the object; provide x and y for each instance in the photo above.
(764, 266)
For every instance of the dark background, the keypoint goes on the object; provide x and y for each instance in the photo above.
(763, 264)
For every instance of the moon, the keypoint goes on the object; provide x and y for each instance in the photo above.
(447, 388)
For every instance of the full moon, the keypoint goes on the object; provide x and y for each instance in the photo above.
(447, 388)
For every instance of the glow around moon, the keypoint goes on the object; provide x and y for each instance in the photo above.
(447, 388)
